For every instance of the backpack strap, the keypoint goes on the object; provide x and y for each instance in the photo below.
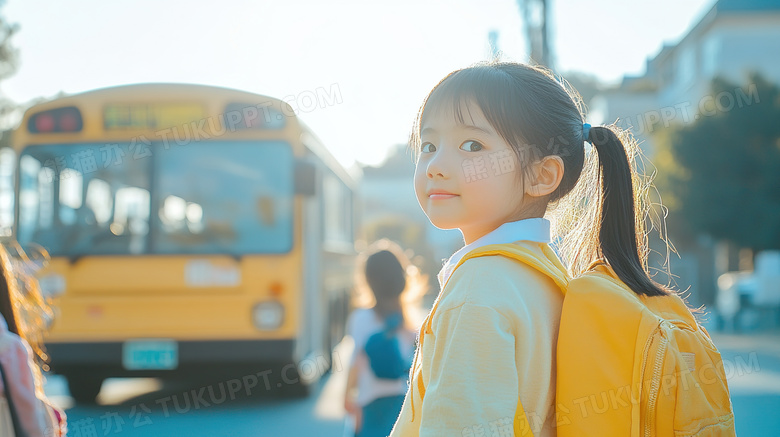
(548, 264)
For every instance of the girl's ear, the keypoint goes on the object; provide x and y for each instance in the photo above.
(546, 175)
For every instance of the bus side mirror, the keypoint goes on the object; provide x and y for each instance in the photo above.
(305, 177)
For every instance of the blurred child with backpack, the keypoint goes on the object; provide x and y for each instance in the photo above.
(383, 327)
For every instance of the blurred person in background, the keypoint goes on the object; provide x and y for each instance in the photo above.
(383, 327)
(24, 408)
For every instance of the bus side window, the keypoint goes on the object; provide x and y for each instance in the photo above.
(337, 204)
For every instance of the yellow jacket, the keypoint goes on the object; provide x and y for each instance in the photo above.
(489, 340)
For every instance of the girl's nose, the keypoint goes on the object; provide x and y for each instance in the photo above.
(437, 167)
(435, 174)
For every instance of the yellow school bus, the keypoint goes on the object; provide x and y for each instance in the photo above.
(192, 230)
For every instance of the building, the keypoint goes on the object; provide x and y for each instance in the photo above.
(734, 39)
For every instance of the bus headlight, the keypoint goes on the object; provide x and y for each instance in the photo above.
(52, 285)
(268, 315)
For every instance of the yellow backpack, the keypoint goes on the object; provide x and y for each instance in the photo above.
(631, 365)
(627, 365)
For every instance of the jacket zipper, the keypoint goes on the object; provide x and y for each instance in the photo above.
(655, 382)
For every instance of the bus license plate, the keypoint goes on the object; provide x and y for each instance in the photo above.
(150, 355)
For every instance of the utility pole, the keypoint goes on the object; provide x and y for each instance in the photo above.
(493, 41)
(535, 15)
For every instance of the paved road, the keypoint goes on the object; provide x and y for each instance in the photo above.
(144, 407)
(752, 365)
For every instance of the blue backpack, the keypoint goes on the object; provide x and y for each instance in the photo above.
(384, 351)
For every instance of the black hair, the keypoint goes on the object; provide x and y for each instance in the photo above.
(387, 281)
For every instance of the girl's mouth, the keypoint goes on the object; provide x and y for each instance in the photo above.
(441, 196)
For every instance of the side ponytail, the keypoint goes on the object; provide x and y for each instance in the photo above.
(618, 242)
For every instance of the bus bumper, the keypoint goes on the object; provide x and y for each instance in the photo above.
(194, 357)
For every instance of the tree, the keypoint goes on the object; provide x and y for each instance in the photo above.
(9, 62)
(9, 56)
(720, 175)
(586, 84)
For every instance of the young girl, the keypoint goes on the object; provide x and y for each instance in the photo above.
(389, 289)
(500, 146)
(21, 316)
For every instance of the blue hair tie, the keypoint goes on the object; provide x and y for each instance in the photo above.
(586, 132)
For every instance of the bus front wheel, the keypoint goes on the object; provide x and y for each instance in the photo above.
(84, 388)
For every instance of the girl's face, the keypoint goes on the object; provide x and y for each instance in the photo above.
(467, 175)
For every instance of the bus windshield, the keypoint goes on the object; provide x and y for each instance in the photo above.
(203, 198)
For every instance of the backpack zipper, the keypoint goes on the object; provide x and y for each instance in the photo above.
(655, 382)
(645, 353)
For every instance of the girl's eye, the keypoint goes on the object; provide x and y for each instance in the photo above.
(471, 146)
(427, 148)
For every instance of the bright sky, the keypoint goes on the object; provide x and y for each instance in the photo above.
(381, 57)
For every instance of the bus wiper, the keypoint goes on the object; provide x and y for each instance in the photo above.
(236, 256)
(75, 258)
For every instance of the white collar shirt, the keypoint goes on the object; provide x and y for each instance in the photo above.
(532, 229)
